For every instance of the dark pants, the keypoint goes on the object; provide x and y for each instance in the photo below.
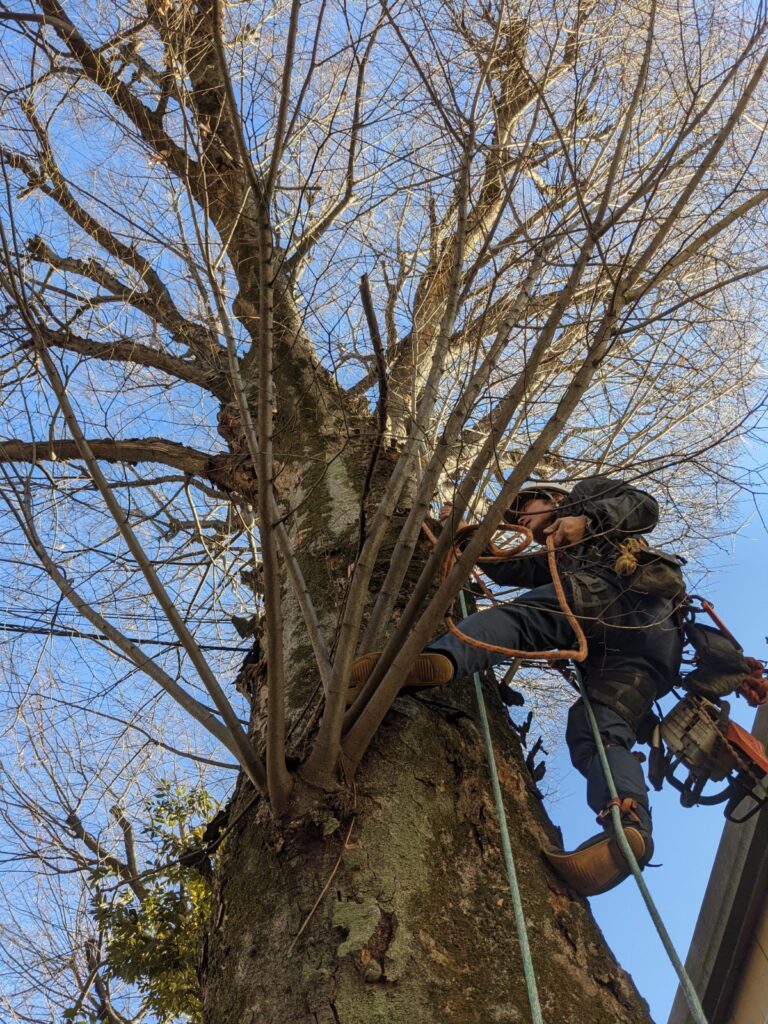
(535, 622)
(625, 768)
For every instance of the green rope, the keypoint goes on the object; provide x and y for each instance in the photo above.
(697, 1013)
(506, 846)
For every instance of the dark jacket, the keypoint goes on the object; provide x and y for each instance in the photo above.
(614, 511)
(634, 645)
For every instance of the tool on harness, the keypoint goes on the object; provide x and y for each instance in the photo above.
(721, 667)
(698, 735)
(650, 571)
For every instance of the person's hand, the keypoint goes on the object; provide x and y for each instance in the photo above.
(568, 530)
(445, 513)
(462, 531)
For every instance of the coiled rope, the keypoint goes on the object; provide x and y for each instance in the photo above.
(497, 554)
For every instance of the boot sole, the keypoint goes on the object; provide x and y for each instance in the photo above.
(427, 671)
(595, 868)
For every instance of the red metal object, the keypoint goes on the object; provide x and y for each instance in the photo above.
(709, 608)
(755, 687)
(748, 745)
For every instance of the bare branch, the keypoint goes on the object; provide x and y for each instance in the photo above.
(129, 351)
(98, 70)
(147, 449)
(120, 868)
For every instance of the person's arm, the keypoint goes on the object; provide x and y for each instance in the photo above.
(528, 572)
(613, 509)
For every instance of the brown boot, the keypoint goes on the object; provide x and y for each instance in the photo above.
(598, 864)
(430, 669)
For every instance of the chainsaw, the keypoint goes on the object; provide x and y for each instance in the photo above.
(698, 735)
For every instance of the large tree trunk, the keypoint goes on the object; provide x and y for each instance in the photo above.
(386, 900)
(413, 921)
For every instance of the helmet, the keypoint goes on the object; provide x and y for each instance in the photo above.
(536, 489)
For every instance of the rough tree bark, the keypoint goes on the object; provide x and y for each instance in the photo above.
(414, 922)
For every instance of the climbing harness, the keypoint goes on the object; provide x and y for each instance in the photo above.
(650, 570)
(697, 734)
(720, 665)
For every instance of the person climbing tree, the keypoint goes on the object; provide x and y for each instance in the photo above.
(634, 648)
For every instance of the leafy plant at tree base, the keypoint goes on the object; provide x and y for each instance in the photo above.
(154, 942)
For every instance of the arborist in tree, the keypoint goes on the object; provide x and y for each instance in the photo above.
(634, 649)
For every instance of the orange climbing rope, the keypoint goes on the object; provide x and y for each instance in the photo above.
(497, 554)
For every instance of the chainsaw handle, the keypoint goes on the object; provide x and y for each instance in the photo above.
(759, 804)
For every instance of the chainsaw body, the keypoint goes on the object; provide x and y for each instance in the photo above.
(698, 736)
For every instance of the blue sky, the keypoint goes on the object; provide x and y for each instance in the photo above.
(686, 838)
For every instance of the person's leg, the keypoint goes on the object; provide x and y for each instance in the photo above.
(619, 739)
(598, 864)
(532, 622)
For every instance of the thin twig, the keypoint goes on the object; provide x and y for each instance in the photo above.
(381, 405)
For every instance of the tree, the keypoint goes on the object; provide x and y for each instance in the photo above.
(277, 278)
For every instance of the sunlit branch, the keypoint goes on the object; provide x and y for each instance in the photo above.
(240, 741)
